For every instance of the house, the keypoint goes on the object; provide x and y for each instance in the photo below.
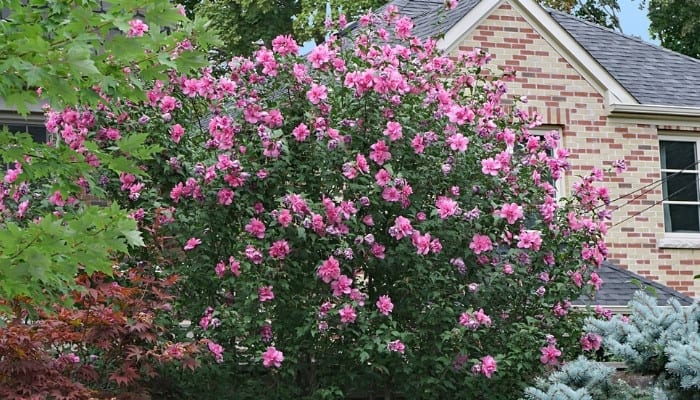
(612, 97)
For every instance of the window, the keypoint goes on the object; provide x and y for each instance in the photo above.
(36, 131)
(540, 132)
(679, 174)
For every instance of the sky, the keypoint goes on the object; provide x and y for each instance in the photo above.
(633, 20)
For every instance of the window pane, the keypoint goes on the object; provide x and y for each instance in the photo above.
(680, 187)
(681, 218)
(38, 133)
(677, 155)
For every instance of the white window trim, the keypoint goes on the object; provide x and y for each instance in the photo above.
(679, 240)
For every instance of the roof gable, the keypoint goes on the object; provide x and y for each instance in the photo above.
(653, 75)
(629, 69)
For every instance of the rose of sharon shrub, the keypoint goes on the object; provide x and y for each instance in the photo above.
(375, 217)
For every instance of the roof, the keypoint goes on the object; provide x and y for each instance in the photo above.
(651, 74)
(620, 285)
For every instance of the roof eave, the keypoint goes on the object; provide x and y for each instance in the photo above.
(654, 112)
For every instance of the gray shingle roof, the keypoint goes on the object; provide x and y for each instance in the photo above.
(651, 74)
(620, 284)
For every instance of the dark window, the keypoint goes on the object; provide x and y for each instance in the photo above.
(679, 173)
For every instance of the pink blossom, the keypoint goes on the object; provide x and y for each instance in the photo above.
(403, 27)
(482, 318)
(225, 197)
(595, 280)
(234, 266)
(447, 207)
(460, 115)
(176, 132)
(341, 286)
(529, 239)
(301, 132)
(137, 28)
(480, 244)
(393, 130)
(396, 346)
(380, 153)
(591, 342)
(382, 177)
(57, 199)
(458, 142)
(421, 242)
(320, 55)
(265, 293)
(217, 350)
(401, 229)
(378, 251)
(511, 212)
(284, 217)
(549, 355)
(272, 357)
(385, 305)
(192, 243)
(256, 228)
(329, 270)
(220, 269)
(488, 366)
(347, 314)
(317, 93)
(285, 45)
(490, 166)
(279, 249)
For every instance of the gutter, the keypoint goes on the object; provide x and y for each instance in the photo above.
(655, 112)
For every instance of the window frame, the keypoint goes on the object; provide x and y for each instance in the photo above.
(679, 240)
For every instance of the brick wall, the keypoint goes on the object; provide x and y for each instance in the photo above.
(566, 98)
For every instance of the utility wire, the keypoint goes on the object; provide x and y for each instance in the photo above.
(651, 186)
(653, 205)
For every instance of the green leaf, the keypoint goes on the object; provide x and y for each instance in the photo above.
(134, 238)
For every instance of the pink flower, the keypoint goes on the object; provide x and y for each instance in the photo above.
(549, 355)
(591, 341)
(403, 27)
(396, 346)
(317, 93)
(447, 207)
(488, 366)
(595, 280)
(217, 350)
(347, 314)
(272, 357)
(511, 212)
(285, 45)
(301, 132)
(265, 293)
(284, 217)
(341, 286)
(279, 249)
(176, 132)
(393, 130)
(402, 228)
(192, 243)
(329, 270)
(57, 199)
(256, 228)
(225, 197)
(378, 251)
(458, 142)
(480, 244)
(421, 243)
(490, 166)
(460, 115)
(137, 28)
(380, 153)
(529, 239)
(385, 305)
